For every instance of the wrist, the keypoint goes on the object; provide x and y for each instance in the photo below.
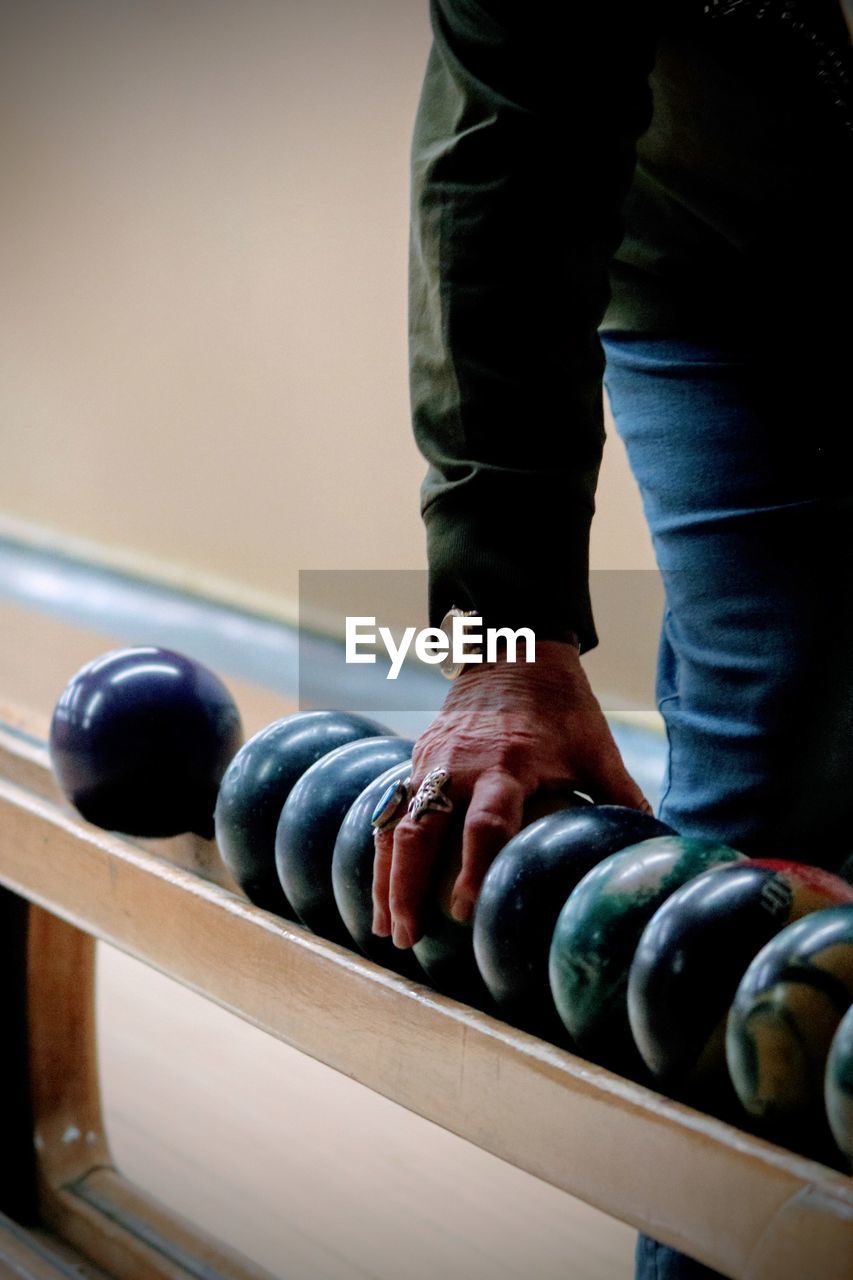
(474, 643)
(556, 666)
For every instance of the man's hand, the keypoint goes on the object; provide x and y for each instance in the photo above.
(505, 731)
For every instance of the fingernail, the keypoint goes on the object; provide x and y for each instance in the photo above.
(381, 927)
(461, 908)
(401, 937)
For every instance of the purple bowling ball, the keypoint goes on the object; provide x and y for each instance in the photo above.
(141, 738)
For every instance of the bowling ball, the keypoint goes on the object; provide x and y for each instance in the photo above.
(352, 876)
(784, 1015)
(693, 953)
(523, 893)
(140, 739)
(838, 1087)
(446, 949)
(256, 784)
(309, 823)
(597, 933)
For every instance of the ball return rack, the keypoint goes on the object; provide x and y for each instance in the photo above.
(737, 1203)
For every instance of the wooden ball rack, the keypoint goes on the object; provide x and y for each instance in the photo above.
(741, 1205)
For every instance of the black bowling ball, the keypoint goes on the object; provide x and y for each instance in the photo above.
(352, 876)
(522, 896)
(256, 785)
(309, 824)
(445, 951)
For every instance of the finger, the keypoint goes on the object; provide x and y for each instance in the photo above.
(494, 816)
(417, 848)
(383, 842)
(609, 782)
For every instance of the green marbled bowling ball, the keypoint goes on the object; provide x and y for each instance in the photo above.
(597, 934)
(785, 1013)
(838, 1086)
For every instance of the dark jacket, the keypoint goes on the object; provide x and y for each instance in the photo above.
(635, 165)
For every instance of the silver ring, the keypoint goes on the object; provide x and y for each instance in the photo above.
(392, 805)
(430, 797)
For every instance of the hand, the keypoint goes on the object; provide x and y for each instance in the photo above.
(505, 731)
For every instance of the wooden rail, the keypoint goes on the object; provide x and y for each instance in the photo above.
(741, 1205)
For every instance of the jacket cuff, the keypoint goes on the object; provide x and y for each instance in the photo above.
(513, 577)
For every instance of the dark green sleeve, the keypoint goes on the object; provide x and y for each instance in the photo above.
(522, 155)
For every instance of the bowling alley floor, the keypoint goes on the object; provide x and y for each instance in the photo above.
(308, 1173)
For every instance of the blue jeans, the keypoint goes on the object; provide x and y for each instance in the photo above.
(742, 468)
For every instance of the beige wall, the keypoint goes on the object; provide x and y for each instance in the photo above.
(202, 310)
